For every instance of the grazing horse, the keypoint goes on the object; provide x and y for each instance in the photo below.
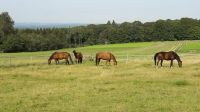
(170, 56)
(105, 56)
(59, 56)
(78, 56)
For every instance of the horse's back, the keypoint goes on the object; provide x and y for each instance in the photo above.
(166, 55)
(79, 54)
(103, 55)
(61, 55)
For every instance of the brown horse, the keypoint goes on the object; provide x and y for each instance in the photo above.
(105, 56)
(78, 57)
(170, 56)
(59, 56)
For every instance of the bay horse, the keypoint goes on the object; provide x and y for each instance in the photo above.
(78, 57)
(105, 56)
(170, 56)
(59, 56)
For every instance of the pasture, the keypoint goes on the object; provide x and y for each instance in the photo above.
(29, 84)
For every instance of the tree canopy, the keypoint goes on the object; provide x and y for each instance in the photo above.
(17, 40)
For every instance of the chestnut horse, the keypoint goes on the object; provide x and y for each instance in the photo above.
(78, 56)
(105, 56)
(170, 56)
(59, 56)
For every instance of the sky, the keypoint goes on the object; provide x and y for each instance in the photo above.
(98, 11)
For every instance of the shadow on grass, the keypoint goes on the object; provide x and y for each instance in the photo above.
(181, 83)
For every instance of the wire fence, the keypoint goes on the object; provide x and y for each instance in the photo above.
(16, 60)
(26, 60)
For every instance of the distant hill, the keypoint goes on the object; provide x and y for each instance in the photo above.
(45, 25)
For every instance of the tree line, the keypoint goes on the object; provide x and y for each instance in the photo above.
(18, 40)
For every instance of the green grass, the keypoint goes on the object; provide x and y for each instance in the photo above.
(191, 46)
(133, 86)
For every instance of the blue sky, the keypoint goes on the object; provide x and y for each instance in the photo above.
(99, 11)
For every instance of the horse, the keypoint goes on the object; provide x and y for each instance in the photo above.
(78, 56)
(59, 56)
(105, 56)
(170, 56)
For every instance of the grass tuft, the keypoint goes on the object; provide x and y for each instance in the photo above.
(182, 83)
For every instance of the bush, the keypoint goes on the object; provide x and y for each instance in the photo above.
(13, 44)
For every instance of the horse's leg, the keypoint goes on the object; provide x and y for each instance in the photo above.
(158, 62)
(161, 63)
(98, 61)
(78, 61)
(56, 61)
(109, 61)
(67, 61)
(171, 64)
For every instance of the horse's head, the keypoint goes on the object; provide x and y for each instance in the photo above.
(180, 63)
(115, 62)
(74, 51)
(49, 61)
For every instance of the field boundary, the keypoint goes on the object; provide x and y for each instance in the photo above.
(12, 60)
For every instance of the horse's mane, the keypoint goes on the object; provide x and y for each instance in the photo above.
(177, 56)
(52, 55)
(113, 57)
(75, 53)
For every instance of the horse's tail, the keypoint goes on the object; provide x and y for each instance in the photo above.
(155, 56)
(114, 59)
(70, 59)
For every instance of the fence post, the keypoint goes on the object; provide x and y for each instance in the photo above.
(126, 58)
(10, 60)
(31, 59)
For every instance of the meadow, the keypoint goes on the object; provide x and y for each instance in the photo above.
(29, 84)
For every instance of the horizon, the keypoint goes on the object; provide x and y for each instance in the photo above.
(98, 23)
(98, 12)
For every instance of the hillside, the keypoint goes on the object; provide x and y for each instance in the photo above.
(28, 83)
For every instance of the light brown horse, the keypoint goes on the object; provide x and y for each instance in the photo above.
(170, 56)
(59, 56)
(105, 56)
(78, 57)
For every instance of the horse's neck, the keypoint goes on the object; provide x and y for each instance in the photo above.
(113, 58)
(75, 54)
(178, 58)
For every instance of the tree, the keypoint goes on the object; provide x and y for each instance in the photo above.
(109, 23)
(194, 33)
(6, 23)
(163, 31)
(13, 44)
(113, 22)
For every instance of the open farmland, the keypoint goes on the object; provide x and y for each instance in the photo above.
(27, 83)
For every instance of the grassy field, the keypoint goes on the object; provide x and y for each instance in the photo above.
(28, 84)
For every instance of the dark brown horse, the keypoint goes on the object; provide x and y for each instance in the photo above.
(170, 56)
(105, 56)
(78, 57)
(59, 56)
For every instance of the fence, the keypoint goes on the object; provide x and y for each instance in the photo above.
(26, 60)
(10, 60)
